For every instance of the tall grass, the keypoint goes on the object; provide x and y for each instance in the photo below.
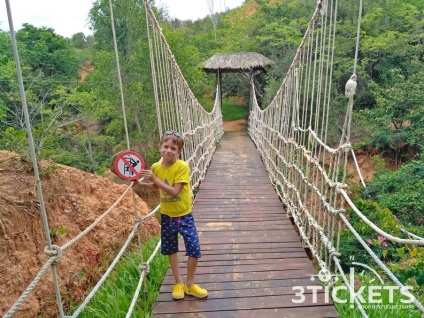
(115, 296)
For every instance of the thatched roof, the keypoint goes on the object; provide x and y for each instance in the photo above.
(235, 62)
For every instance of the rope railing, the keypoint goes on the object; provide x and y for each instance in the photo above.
(308, 174)
(15, 307)
(386, 270)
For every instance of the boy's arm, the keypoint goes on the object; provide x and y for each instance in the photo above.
(159, 184)
(145, 185)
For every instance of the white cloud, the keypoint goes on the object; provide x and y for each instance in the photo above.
(196, 9)
(68, 17)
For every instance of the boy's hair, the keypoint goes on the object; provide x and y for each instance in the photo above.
(175, 140)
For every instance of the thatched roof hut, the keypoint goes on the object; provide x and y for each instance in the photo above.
(248, 62)
(236, 62)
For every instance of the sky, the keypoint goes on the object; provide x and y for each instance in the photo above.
(68, 17)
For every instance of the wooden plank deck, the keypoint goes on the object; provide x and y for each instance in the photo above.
(251, 254)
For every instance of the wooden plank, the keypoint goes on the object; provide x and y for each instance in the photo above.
(248, 218)
(262, 254)
(248, 240)
(243, 249)
(309, 312)
(230, 226)
(252, 257)
(226, 277)
(258, 266)
(243, 292)
(238, 285)
(228, 212)
(236, 262)
(275, 234)
(259, 302)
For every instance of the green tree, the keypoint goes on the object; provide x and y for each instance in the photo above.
(391, 73)
(45, 51)
(47, 62)
(79, 41)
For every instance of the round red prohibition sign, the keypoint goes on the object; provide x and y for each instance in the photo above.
(128, 165)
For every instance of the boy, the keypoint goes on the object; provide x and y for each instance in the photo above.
(171, 176)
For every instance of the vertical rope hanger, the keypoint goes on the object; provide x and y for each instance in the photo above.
(119, 73)
(50, 246)
(177, 107)
(358, 32)
(136, 212)
(154, 77)
(350, 89)
(354, 72)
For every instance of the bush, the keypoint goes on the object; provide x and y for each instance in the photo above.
(16, 141)
(353, 251)
(400, 191)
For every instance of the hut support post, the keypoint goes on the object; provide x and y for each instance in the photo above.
(251, 90)
(219, 80)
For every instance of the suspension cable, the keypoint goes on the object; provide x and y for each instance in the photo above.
(33, 156)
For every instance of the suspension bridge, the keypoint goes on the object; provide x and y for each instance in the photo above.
(264, 196)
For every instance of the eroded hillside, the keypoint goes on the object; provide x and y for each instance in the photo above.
(73, 200)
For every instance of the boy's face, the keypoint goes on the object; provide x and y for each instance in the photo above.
(169, 151)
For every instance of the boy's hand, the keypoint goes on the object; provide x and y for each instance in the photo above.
(147, 174)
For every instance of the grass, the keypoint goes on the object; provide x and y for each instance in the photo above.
(114, 297)
(230, 111)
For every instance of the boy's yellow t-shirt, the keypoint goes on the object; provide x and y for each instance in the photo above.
(179, 172)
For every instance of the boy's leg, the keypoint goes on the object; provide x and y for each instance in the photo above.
(190, 288)
(169, 237)
(178, 290)
(175, 267)
(191, 270)
(191, 241)
(192, 245)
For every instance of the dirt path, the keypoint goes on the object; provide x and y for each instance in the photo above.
(235, 125)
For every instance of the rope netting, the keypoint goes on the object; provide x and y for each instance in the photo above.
(308, 174)
(177, 107)
(177, 110)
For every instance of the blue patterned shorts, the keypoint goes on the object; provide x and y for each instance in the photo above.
(170, 227)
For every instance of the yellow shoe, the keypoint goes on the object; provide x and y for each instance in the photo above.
(195, 291)
(178, 291)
